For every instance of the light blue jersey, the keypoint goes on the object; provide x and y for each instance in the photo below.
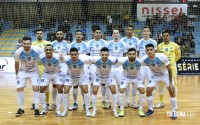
(52, 66)
(131, 43)
(63, 47)
(156, 65)
(117, 49)
(28, 61)
(141, 46)
(82, 47)
(131, 70)
(95, 46)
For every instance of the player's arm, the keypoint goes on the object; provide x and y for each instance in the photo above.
(16, 67)
(177, 53)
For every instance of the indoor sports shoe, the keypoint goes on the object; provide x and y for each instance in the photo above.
(43, 113)
(64, 113)
(94, 113)
(127, 105)
(108, 105)
(52, 107)
(141, 113)
(121, 113)
(103, 104)
(47, 106)
(58, 113)
(33, 107)
(174, 115)
(160, 105)
(37, 113)
(88, 114)
(19, 112)
(135, 106)
(149, 112)
(116, 115)
(75, 106)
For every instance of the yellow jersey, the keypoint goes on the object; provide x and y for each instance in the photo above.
(41, 44)
(171, 50)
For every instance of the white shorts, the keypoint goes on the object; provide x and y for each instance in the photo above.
(24, 76)
(50, 78)
(135, 81)
(117, 70)
(145, 73)
(154, 80)
(63, 69)
(109, 81)
(69, 81)
(92, 73)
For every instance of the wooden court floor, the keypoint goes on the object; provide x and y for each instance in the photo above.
(188, 104)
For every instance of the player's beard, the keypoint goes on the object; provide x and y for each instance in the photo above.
(27, 49)
(49, 55)
(104, 59)
(131, 59)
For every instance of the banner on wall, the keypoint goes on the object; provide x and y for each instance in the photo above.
(144, 10)
(7, 64)
(188, 66)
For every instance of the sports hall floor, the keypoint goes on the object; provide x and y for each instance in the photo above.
(188, 108)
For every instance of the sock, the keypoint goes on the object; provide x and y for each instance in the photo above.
(134, 91)
(87, 100)
(75, 94)
(103, 91)
(127, 91)
(94, 101)
(54, 94)
(114, 99)
(121, 101)
(66, 101)
(173, 103)
(141, 101)
(60, 99)
(36, 99)
(20, 100)
(43, 100)
(150, 102)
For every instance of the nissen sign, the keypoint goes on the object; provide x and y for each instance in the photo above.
(144, 10)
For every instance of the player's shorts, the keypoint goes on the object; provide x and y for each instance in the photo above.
(63, 69)
(145, 73)
(92, 73)
(50, 78)
(117, 70)
(24, 76)
(135, 81)
(107, 81)
(70, 81)
(157, 79)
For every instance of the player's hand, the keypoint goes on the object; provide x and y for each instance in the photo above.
(171, 87)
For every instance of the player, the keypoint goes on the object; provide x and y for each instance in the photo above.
(131, 74)
(26, 67)
(161, 71)
(173, 53)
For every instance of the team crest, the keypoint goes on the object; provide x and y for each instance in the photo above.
(130, 43)
(104, 66)
(116, 47)
(49, 64)
(166, 49)
(74, 66)
(58, 47)
(29, 58)
(131, 68)
(153, 65)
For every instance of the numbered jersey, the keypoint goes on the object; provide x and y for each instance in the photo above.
(82, 47)
(63, 47)
(76, 69)
(131, 43)
(117, 49)
(95, 46)
(141, 46)
(156, 65)
(103, 69)
(131, 70)
(52, 66)
(28, 61)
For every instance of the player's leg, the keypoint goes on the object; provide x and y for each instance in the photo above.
(114, 99)
(75, 94)
(134, 92)
(66, 99)
(21, 83)
(141, 89)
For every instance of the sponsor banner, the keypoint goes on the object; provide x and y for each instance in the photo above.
(7, 64)
(188, 66)
(144, 10)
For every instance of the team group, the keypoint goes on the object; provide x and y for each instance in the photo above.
(113, 66)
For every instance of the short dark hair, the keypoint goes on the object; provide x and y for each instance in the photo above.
(130, 26)
(149, 45)
(96, 28)
(49, 45)
(73, 49)
(146, 27)
(131, 49)
(78, 31)
(26, 38)
(59, 30)
(166, 31)
(104, 49)
(39, 30)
